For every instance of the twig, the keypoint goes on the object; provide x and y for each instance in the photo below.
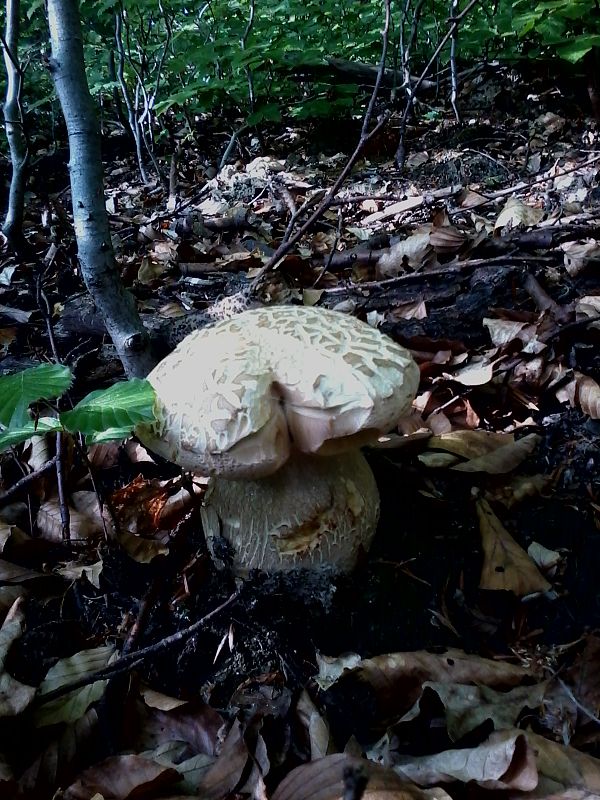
(412, 95)
(65, 514)
(137, 657)
(285, 247)
(579, 704)
(23, 482)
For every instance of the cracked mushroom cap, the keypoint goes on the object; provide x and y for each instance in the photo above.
(234, 399)
(315, 512)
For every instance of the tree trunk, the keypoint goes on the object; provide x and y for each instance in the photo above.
(15, 131)
(96, 255)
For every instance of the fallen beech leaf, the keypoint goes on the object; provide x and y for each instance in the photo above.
(56, 763)
(409, 254)
(230, 768)
(195, 723)
(191, 770)
(324, 780)
(467, 707)
(520, 487)
(475, 373)
(315, 725)
(504, 331)
(122, 777)
(84, 525)
(584, 678)
(13, 573)
(547, 560)
(588, 394)
(393, 683)
(470, 444)
(577, 255)
(504, 459)
(437, 460)
(506, 565)
(75, 571)
(159, 700)
(504, 761)
(73, 705)
(14, 695)
(563, 772)
(516, 214)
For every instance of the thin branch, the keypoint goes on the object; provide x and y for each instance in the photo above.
(285, 246)
(130, 661)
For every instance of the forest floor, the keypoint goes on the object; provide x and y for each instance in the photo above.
(462, 657)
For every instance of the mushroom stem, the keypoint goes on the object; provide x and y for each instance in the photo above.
(315, 512)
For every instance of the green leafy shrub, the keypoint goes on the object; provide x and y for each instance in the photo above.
(101, 416)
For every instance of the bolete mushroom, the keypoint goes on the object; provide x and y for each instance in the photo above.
(275, 404)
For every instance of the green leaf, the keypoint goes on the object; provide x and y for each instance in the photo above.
(13, 436)
(18, 391)
(121, 406)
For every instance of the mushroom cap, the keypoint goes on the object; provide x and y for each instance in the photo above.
(233, 399)
(315, 512)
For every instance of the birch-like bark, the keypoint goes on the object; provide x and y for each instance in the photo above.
(96, 255)
(13, 122)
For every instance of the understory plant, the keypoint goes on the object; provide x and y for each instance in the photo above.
(101, 416)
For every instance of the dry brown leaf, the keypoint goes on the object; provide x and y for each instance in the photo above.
(195, 723)
(564, 773)
(84, 527)
(416, 310)
(14, 696)
(588, 394)
(323, 780)
(225, 776)
(520, 487)
(162, 702)
(103, 456)
(467, 707)
(437, 460)
(396, 680)
(13, 573)
(470, 444)
(504, 459)
(446, 239)
(504, 761)
(584, 677)
(315, 727)
(577, 255)
(516, 214)
(506, 565)
(504, 331)
(122, 777)
(54, 767)
(478, 372)
(409, 254)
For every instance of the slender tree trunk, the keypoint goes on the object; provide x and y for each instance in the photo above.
(96, 255)
(13, 122)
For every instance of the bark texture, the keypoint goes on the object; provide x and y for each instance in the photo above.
(94, 246)
(13, 123)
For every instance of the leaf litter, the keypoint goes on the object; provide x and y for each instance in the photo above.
(461, 658)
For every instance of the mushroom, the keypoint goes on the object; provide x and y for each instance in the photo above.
(274, 404)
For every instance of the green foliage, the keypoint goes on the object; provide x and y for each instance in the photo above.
(18, 391)
(568, 28)
(240, 58)
(102, 415)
